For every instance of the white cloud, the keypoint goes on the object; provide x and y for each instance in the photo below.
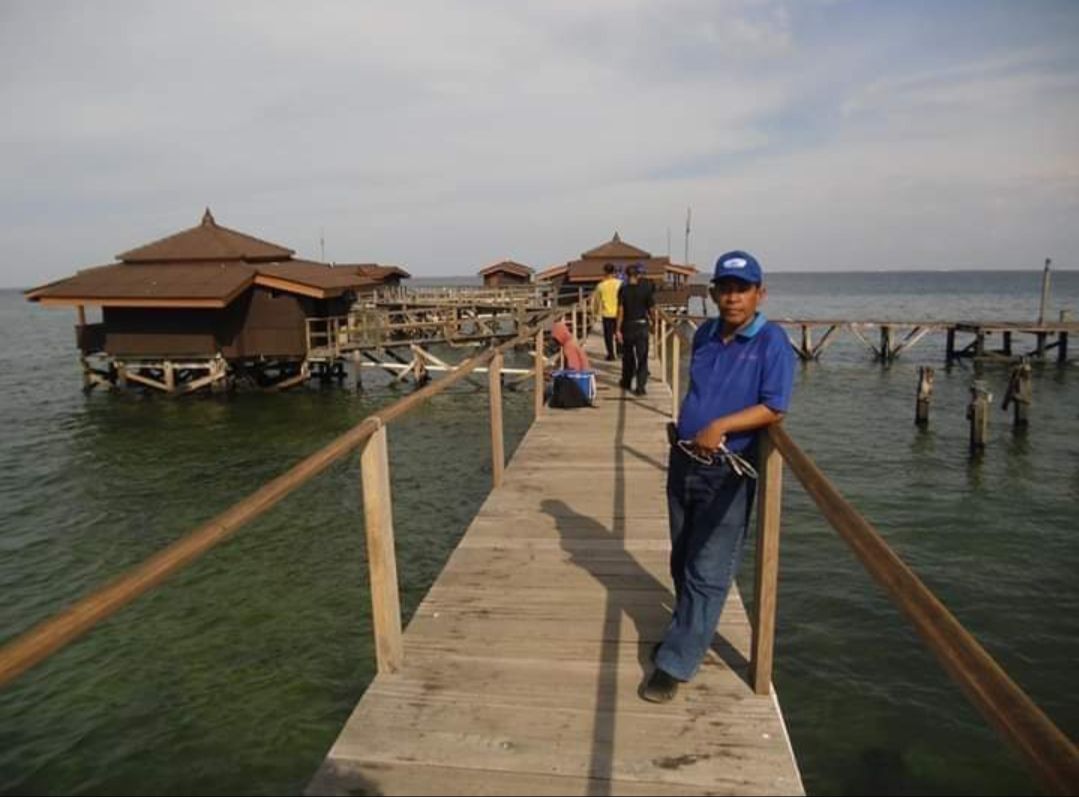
(444, 136)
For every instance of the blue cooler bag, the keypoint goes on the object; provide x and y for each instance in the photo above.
(585, 380)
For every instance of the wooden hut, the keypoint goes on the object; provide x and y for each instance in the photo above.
(379, 276)
(506, 272)
(201, 308)
(589, 268)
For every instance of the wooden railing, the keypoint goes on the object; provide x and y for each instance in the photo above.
(369, 435)
(1047, 751)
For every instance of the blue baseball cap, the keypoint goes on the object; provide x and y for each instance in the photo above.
(740, 265)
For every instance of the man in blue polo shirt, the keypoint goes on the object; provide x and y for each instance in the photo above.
(741, 372)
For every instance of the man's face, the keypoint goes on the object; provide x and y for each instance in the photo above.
(737, 300)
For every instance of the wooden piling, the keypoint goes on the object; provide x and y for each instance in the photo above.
(924, 394)
(886, 345)
(1019, 392)
(1062, 348)
(949, 350)
(978, 415)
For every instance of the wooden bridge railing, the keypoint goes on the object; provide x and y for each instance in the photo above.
(1047, 751)
(369, 435)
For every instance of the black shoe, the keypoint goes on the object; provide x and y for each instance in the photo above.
(661, 687)
(640, 392)
(610, 358)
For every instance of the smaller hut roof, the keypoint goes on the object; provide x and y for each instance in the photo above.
(207, 241)
(508, 266)
(374, 271)
(309, 278)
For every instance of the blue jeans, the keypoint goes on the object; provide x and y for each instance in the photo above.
(709, 507)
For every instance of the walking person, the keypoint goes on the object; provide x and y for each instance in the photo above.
(605, 302)
(741, 375)
(636, 313)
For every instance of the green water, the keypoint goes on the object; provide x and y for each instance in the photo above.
(236, 676)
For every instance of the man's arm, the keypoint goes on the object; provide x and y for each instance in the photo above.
(756, 417)
(618, 318)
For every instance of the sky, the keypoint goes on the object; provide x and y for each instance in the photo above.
(821, 135)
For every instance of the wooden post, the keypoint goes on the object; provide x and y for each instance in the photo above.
(1045, 293)
(1020, 392)
(170, 377)
(886, 344)
(769, 505)
(949, 352)
(807, 343)
(573, 322)
(979, 342)
(924, 394)
(1007, 345)
(1062, 348)
(538, 395)
(381, 559)
(1039, 350)
(676, 344)
(661, 345)
(978, 415)
(494, 389)
(82, 315)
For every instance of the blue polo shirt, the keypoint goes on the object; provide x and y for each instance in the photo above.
(755, 367)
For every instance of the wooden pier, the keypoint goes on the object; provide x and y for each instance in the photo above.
(521, 666)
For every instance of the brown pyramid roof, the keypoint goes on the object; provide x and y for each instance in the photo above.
(509, 266)
(207, 241)
(616, 248)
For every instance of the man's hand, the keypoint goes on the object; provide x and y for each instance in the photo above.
(618, 335)
(710, 438)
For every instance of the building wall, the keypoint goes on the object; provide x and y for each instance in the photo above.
(260, 323)
(500, 278)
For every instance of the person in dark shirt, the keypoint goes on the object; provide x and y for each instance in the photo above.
(636, 311)
(741, 373)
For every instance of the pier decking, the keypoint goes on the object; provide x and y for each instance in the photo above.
(522, 664)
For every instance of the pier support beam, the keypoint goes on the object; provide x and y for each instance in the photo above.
(924, 394)
(978, 415)
(1020, 392)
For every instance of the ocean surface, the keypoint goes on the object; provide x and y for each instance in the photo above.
(237, 675)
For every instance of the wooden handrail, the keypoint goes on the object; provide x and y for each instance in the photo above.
(53, 634)
(1050, 754)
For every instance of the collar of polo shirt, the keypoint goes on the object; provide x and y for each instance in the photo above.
(748, 330)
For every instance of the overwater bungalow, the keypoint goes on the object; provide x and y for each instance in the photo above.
(506, 273)
(588, 269)
(205, 307)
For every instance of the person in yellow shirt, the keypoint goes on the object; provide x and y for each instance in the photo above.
(605, 300)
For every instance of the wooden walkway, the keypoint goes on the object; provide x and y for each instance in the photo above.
(523, 662)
